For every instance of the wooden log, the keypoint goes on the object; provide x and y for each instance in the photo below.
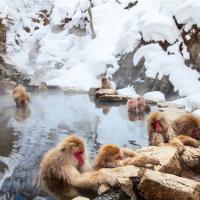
(160, 186)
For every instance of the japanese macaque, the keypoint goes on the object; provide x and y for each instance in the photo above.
(110, 156)
(142, 106)
(64, 170)
(161, 132)
(137, 105)
(42, 87)
(21, 96)
(105, 83)
(187, 124)
(132, 105)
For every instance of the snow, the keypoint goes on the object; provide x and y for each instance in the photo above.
(3, 9)
(128, 91)
(157, 95)
(65, 53)
(191, 102)
(158, 63)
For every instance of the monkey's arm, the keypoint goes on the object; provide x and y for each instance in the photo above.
(88, 180)
(141, 161)
(128, 152)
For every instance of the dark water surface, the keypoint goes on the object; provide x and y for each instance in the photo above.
(25, 135)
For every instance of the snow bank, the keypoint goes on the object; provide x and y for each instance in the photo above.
(191, 102)
(154, 95)
(128, 91)
(159, 63)
(187, 12)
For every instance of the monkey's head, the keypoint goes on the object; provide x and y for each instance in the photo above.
(108, 153)
(72, 150)
(132, 105)
(158, 123)
(188, 124)
(104, 79)
(141, 101)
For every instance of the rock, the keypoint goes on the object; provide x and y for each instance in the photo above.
(129, 74)
(103, 92)
(92, 91)
(153, 101)
(68, 90)
(160, 186)
(80, 198)
(123, 174)
(112, 98)
(169, 104)
(191, 158)
(8, 85)
(167, 155)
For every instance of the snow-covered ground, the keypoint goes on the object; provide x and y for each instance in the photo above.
(59, 54)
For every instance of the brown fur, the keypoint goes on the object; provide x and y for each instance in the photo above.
(105, 83)
(61, 174)
(110, 156)
(138, 105)
(21, 96)
(167, 133)
(187, 123)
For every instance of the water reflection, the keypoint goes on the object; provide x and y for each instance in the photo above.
(27, 134)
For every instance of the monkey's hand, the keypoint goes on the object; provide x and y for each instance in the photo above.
(142, 161)
(111, 165)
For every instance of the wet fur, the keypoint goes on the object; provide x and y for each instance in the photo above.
(61, 175)
(21, 96)
(168, 135)
(105, 83)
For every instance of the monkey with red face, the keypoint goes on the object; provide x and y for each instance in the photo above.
(63, 170)
(161, 131)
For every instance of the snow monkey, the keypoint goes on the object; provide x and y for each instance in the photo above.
(187, 124)
(64, 170)
(42, 87)
(105, 83)
(21, 96)
(137, 105)
(160, 132)
(142, 106)
(110, 156)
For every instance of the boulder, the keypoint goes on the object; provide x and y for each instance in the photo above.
(160, 186)
(112, 98)
(80, 198)
(167, 155)
(92, 91)
(191, 158)
(169, 104)
(103, 92)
